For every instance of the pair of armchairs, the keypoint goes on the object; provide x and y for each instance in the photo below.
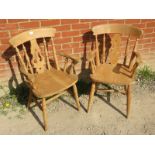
(34, 49)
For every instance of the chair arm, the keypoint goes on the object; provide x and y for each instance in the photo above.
(135, 61)
(69, 66)
(138, 57)
(73, 58)
(133, 64)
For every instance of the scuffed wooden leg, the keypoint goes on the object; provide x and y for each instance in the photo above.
(29, 99)
(128, 100)
(44, 113)
(92, 91)
(76, 96)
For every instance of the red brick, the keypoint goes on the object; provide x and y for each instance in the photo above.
(77, 39)
(152, 50)
(116, 21)
(4, 66)
(70, 33)
(15, 32)
(75, 45)
(58, 47)
(16, 20)
(4, 47)
(29, 25)
(8, 26)
(64, 46)
(82, 44)
(146, 20)
(103, 20)
(4, 34)
(138, 47)
(153, 40)
(98, 23)
(151, 24)
(149, 45)
(148, 30)
(132, 21)
(67, 51)
(149, 35)
(142, 51)
(50, 22)
(78, 50)
(5, 73)
(88, 20)
(62, 40)
(63, 28)
(70, 45)
(37, 20)
(4, 41)
(141, 26)
(82, 32)
(143, 41)
(80, 26)
(2, 21)
(57, 34)
(69, 21)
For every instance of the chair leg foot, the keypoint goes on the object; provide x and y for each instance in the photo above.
(92, 91)
(128, 99)
(76, 96)
(44, 113)
(29, 99)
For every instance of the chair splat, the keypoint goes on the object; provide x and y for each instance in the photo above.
(114, 51)
(37, 61)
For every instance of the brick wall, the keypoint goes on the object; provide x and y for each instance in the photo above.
(70, 36)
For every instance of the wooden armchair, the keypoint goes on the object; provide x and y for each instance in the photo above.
(114, 59)
(33, 49)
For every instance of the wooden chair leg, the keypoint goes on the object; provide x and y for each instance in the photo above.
(92, 91)
(44, 113)
(76, 96)
(128, 99)
(30, 98)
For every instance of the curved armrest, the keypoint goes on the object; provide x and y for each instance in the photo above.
(73, 58)
(138, 57)
(69, 66)
(134, 63)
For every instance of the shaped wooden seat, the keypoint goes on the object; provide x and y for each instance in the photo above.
(35, 49)
(114, 59)
(50, 82)
(112, 74)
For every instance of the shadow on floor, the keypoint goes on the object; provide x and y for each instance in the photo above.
(110, 104)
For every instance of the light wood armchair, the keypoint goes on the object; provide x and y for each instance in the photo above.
(114, 59)
(33, 49)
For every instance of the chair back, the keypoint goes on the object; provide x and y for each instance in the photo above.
(33, 48)
(114, 43)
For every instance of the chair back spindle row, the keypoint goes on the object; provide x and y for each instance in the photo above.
(113, 37)
(34, 59)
